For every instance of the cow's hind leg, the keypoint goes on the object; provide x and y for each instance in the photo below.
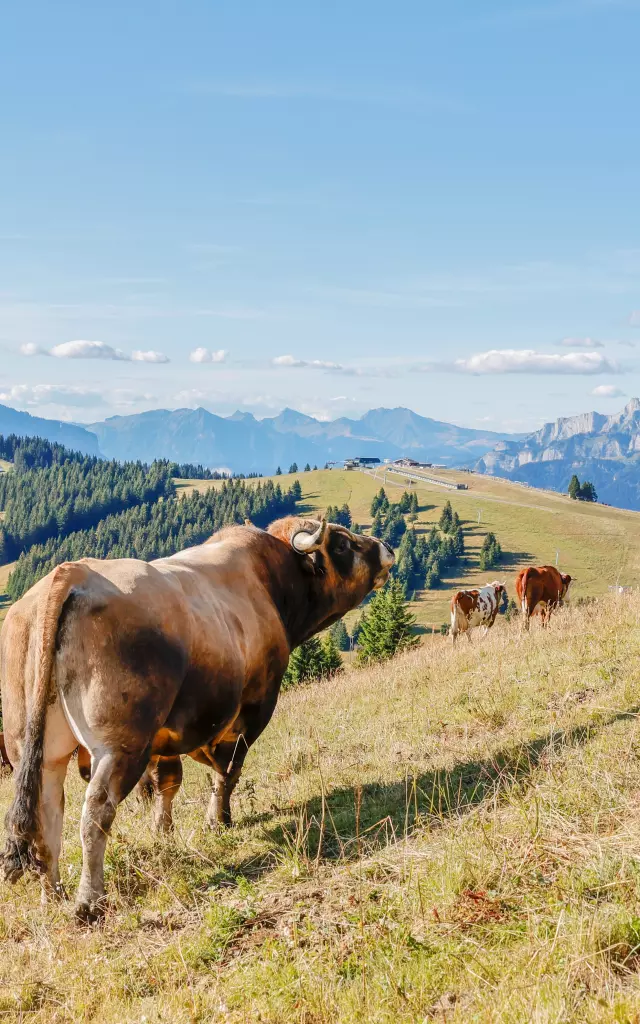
(114, 775)
(59, 743)
(164, 775)
(51, 818)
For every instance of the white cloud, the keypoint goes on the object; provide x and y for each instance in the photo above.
(292, 362)
(51, 394)
(92, 350)
(87, 350)
(149, 357)
(607, 391)
(205, 355)
(124, 396)
(65, 395)
(528, 361)
(31, 349)
(581, 343)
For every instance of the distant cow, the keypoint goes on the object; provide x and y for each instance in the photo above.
(140, 662)
(471, 608)
(541, 589)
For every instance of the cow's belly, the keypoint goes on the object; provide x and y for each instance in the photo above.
(477, 618)
(205, 708)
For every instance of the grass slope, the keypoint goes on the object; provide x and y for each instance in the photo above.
(597, 544)
(452, 836)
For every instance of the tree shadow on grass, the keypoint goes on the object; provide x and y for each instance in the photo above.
(360, 820)
(515, 559)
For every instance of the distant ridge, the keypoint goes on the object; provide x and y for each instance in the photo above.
(241, 443)
(244, 444)
(600, 448)
(25, 425)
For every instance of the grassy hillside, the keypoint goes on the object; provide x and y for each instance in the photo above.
(453, 836)
(596, 544)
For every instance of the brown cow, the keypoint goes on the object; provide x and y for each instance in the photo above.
(470, 608)
(137, 661)
(541, 589)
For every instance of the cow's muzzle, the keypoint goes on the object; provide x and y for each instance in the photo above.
(387, 558)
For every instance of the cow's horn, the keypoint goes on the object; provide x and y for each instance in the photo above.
(305, 542)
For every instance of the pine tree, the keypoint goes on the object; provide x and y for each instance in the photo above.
(394, 527)
(588, 492)
(345, 516)
(387, 625)
(377, 502)
(293, 468)
(331, 656)
(377, 526)
(490, 552)
(306, 662)
(446, 518)
(405, 502)
(574, 487)
(307, 468)
(278, 471)
(340, 635)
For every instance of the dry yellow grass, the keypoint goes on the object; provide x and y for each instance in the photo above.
(451, 836)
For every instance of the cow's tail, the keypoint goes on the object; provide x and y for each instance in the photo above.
(526, 611)
(22, 820)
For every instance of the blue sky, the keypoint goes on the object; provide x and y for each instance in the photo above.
(332, 207)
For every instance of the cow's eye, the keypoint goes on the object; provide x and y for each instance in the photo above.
(341, 544)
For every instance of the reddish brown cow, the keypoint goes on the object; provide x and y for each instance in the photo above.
(541, 589)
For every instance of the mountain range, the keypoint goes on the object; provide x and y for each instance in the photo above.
(243, 444)
(602, 449)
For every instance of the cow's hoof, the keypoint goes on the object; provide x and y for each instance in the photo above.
(216, 825)
(53, 893)
(90, 912)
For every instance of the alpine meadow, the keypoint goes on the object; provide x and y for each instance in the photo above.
(320, 513)
(470, 855)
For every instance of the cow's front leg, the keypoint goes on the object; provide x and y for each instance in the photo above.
(227, 758)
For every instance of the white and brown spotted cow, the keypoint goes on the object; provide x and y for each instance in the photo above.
(471, 608)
